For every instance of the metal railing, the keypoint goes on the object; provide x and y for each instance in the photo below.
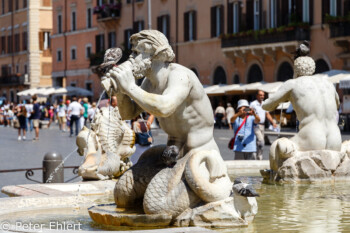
(12, 80)
(339, 29)
(29, 172)
(290, 34)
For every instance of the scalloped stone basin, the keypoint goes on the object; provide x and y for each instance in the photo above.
(109, 214)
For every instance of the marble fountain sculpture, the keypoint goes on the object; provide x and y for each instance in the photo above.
(106, 147)
(316, 152)
(183, 183)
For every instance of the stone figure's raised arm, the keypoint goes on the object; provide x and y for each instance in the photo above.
(282, 95)
(165, 104)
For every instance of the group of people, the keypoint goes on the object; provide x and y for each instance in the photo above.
(248, 124)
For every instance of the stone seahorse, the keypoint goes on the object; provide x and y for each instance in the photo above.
(196, 178)
(106, 147)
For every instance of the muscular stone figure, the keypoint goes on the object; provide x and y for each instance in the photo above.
(174, 95)
(315, 102)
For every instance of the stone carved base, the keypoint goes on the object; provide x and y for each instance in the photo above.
(231, 212)
(310, 167)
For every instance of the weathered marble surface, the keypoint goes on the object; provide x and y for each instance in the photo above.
(173, 94)
(316, 102)
(312, 166)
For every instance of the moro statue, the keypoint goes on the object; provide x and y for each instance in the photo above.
(186, 179)
(315, 151)
(106, 147)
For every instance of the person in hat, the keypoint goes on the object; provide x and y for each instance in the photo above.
(244, 136)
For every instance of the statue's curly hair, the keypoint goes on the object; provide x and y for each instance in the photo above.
(157, 41)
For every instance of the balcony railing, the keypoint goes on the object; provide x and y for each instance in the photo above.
(289, 33)
(339, 29)
(108, 11)
(13, 80)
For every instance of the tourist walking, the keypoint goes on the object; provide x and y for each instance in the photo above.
(144, 140)
(259, 129)
(36, 117)
(22, 119)
(86, 109)
(75, 110)
(219, 115)
(61, 114)
(229, 114)
(244, 137)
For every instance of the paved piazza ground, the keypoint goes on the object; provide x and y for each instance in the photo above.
(28, 154)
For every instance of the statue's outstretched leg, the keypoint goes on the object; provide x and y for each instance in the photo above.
(281, 150)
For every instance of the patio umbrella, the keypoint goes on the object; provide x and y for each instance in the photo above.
(72, 91)
(270, 87)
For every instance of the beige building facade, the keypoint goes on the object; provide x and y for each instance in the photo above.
(222, 41)
(25, 46)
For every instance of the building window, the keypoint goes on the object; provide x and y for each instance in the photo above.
(3, 45)
(59, 55)
(127, 34)
(100, 43)
(273, 14)
(255, 74)
(139, 26)
(285, 72)
(74, 21)
(73, 53)
(256, 15)
(44, 40)
(10, 3)
(219, 76)
(112, 41)
(17, 43)
(24, 41)
(333, 8)
(17, 68)
(9, 44)
(190, 25)
(163, 25)
(73, 84)
(128, 1)
(16, 4)
(306, 11)
(88, 85)
(88, 18)
(25, 68)
(2, 6)
(88, 51)
(24, 3)
(217, 22)
(59, 24)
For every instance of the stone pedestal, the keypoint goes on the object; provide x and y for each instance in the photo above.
(310, 167)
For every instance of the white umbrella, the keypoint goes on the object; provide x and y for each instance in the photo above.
(270, 87)
(72, 91)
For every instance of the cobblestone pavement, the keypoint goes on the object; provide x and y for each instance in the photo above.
(16, 154)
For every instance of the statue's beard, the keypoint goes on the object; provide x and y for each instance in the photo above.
(141, 68)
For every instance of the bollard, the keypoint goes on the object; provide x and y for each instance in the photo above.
(52, 169)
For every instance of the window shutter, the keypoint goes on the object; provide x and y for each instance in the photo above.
(213, 20)
(311, 11)
(194, 25)
(222, 20)
(102, 42)
(261, 18)
(230, 18)
(168, 27)
(126, 39)
(339, 13)
(142, 25)
(284, 12)
(299, 10)
(159, 23)
(346, 7)
(250, 15)
(186, 26)
(241, 22)
(41, 40)
(325, 9)
(135, 27)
